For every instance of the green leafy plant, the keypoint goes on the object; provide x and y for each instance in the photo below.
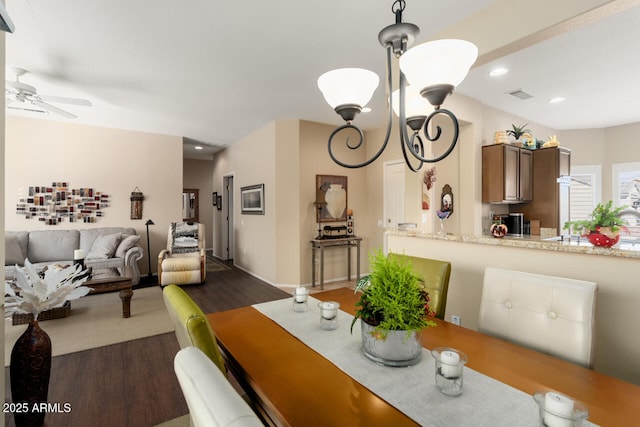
(518, 131)
(604, 218)
(392, 296)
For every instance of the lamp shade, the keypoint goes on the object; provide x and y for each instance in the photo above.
(348, 86)
(414, 103)
(438, 62)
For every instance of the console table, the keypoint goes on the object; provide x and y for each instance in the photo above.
(321, 244)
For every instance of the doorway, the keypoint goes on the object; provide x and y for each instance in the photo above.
(190, 207)
(393, 193)
(228, 246)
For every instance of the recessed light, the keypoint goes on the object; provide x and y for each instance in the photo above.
(197, 147)
(556, 100)
(498, 71)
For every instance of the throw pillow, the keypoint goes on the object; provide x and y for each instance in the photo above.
(104, 246)
(128, 241)
(12, 251)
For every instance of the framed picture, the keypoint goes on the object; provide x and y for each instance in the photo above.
(252, 198)
(331, 198)
(219, 202)
(214, 197)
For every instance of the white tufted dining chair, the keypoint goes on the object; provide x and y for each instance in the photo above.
(212, 400)
(554, 315)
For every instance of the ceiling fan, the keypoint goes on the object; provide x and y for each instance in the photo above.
(27, 95)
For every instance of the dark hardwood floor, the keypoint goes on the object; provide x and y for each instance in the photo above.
(133, 383)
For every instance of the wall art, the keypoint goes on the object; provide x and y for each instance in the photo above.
(252, 198)
(331, 198)
(59, 203)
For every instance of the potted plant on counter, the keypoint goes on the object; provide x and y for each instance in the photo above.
(393, 309)
(603, 227)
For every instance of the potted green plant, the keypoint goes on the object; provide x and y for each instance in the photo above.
(393, 309)
(518, 131)
(603, 227)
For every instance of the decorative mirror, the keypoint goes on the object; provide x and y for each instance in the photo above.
(190, 211)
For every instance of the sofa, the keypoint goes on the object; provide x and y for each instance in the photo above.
(107, 250)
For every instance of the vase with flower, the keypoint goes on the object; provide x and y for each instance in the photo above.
(30, 366)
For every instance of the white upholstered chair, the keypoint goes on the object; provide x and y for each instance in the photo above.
(184, 260)
(554, 315)
(212, 400)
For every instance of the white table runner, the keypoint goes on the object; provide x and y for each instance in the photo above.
(412, 390)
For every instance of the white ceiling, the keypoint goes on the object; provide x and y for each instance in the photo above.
(213, 72)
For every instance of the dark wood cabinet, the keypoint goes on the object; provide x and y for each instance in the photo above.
(506, 174)
(550, 202)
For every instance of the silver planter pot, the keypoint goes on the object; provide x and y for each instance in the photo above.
(391, 348)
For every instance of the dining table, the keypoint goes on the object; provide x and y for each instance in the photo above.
(291, 384)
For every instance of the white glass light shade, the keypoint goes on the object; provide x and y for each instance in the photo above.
(438, 62)
(348, 86)
(414, 103)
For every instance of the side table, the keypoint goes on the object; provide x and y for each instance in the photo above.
(321, 244)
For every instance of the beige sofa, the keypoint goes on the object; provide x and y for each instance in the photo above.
(113, 249)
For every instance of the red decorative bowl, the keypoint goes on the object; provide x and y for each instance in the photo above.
(598, 239)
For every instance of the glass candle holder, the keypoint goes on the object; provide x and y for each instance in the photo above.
(300, 299)
(449, 370)
(558, 410)
(329, 314)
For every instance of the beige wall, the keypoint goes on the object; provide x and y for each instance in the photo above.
(2, 180)
(115, 162)
(617, 346)
(198, 174)
(604, 147)
(251, 161)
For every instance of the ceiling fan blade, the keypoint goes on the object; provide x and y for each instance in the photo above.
(63, 100)
(22, 87)
(54, 109)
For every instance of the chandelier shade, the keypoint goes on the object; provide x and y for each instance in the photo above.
(440, 62)
(348, 86)
(415, 104)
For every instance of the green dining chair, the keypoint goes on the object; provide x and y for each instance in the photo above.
(435, 275)
(192, 326)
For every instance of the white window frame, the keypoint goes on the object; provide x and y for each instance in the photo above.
(596, 172)
(616, 170)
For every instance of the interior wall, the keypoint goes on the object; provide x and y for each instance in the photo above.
(315, 160)
(2, 200)
(115, 162)
(198, 174)
(251, 161)
(616, 350)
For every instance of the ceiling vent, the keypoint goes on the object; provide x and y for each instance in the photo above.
(520, 94)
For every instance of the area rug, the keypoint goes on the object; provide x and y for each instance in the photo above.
(213, 265)
(96, 321)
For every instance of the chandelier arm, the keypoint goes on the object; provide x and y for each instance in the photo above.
(359, 131)
(406, 158)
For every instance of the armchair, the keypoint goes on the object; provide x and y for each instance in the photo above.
(183, 262)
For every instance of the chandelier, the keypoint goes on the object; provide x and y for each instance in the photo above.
(432, 69)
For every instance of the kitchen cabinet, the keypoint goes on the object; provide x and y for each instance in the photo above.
(506, 174)
(550, 202)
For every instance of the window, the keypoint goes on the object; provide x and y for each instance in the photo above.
(626, 191)
(585, 191)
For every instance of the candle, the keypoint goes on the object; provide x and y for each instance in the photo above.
(301, 294)
(329, 310)
(558, 409)
(450, 364)
(78, 254)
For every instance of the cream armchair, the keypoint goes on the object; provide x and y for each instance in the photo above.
(183, 262)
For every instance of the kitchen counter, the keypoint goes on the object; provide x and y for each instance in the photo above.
(621, 250)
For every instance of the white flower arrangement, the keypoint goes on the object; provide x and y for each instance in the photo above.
(41, 293)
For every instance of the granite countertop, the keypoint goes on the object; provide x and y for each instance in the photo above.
(621, 250)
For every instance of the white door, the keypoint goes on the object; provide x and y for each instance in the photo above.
(393, 193)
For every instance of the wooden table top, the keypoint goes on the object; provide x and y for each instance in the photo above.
(296, 386)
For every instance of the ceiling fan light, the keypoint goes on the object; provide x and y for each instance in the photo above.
(414, 103)
(348, 86)
(438, 62)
